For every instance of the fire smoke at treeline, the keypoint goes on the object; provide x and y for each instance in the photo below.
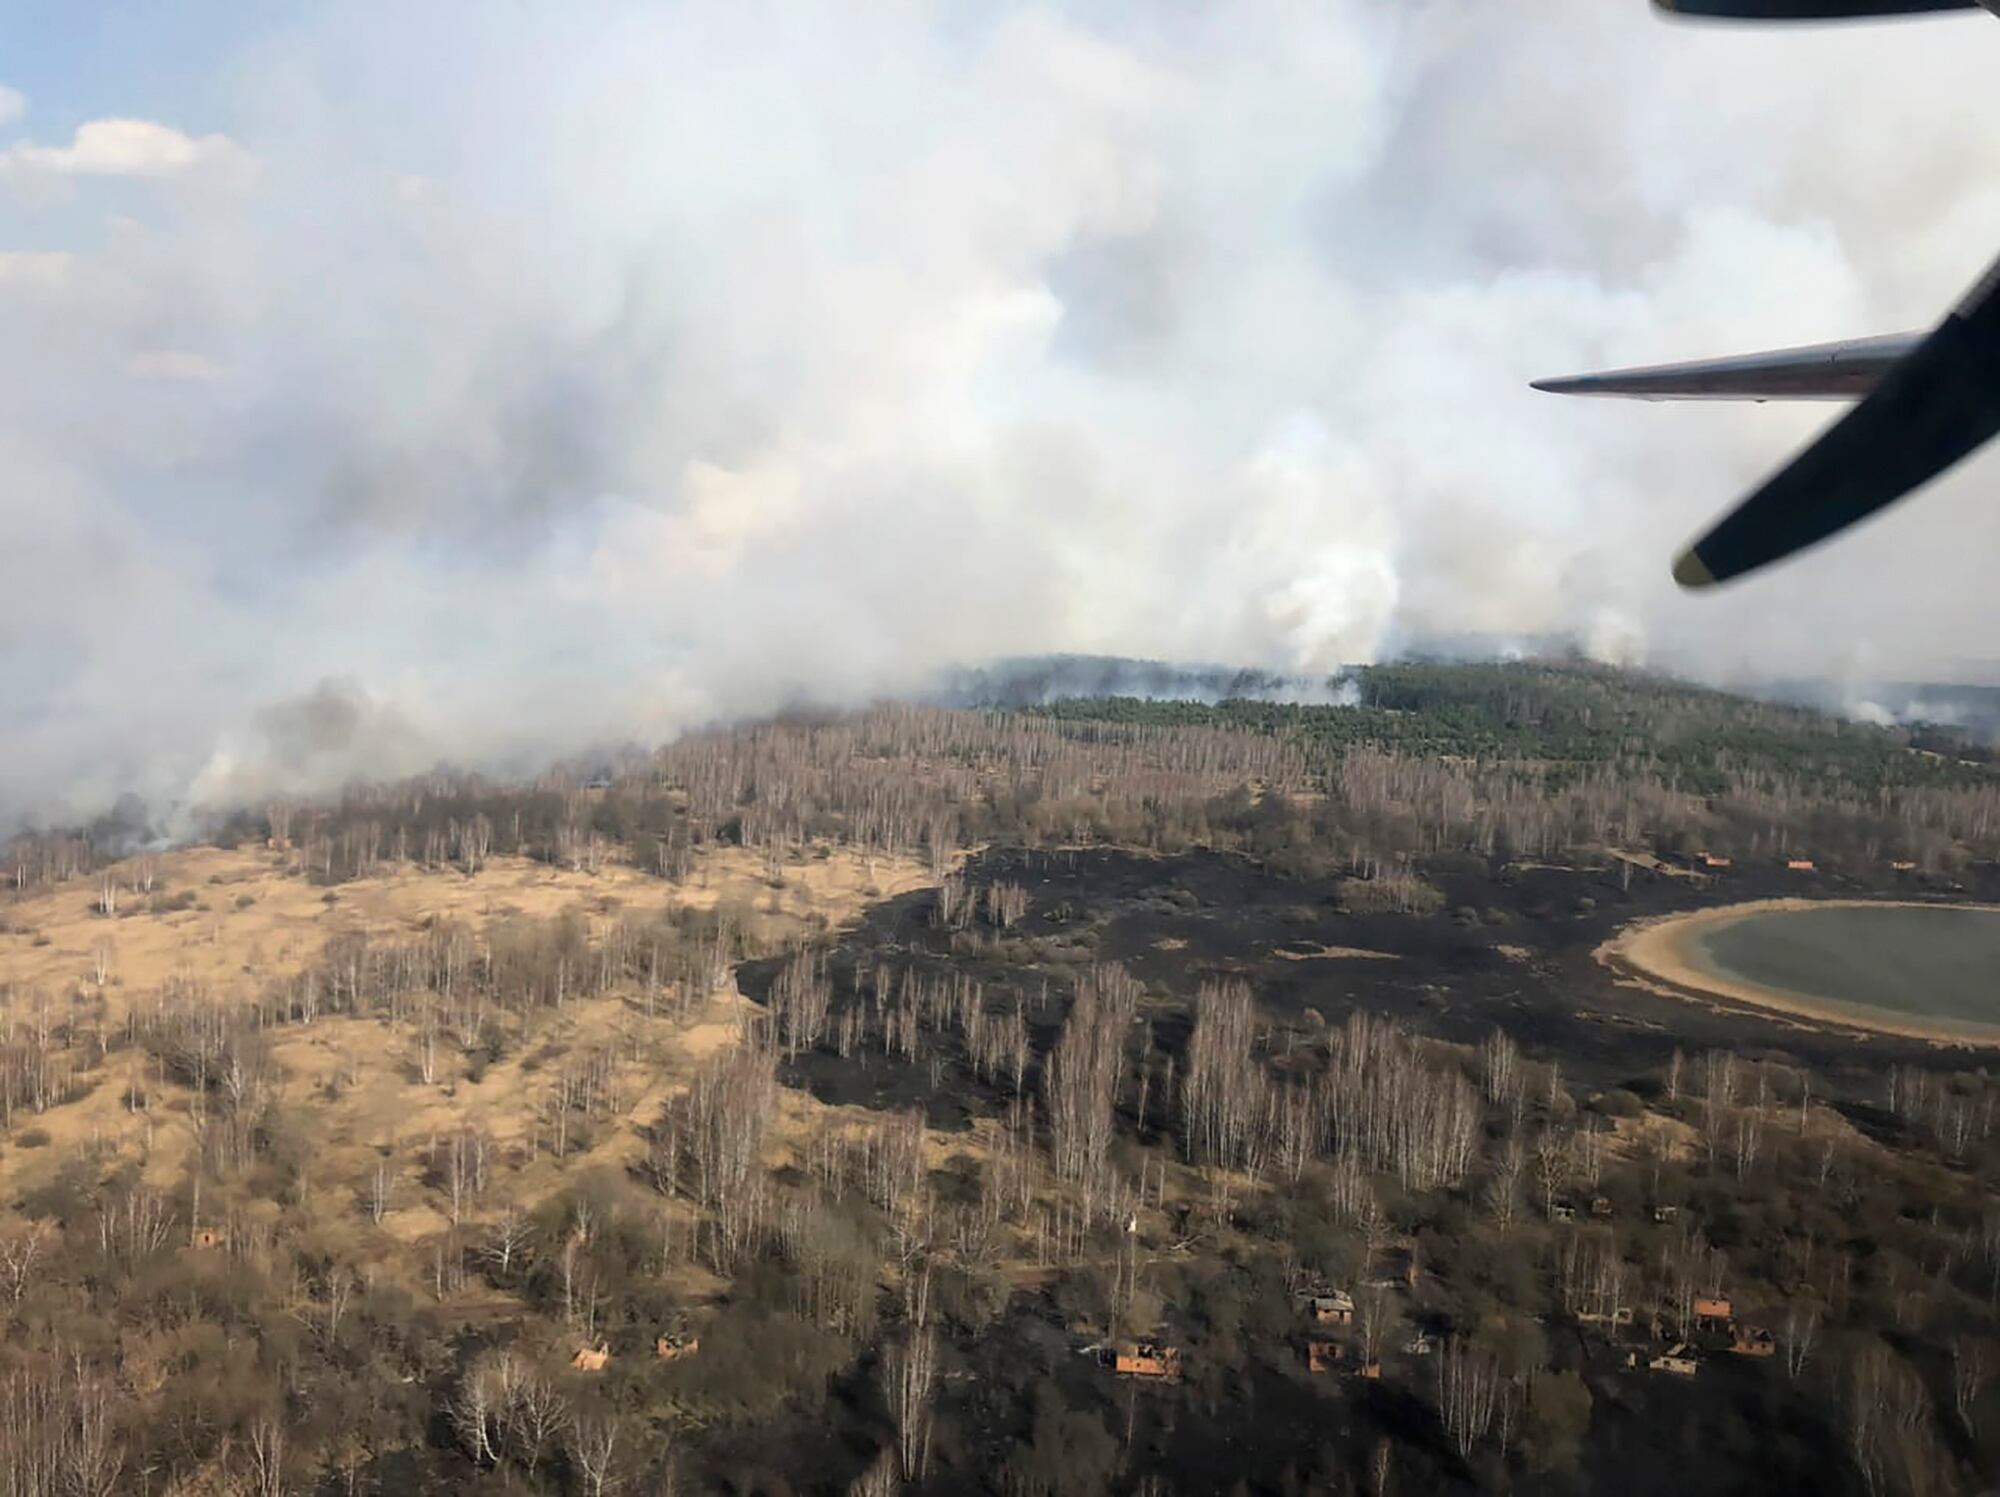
(1503, 762)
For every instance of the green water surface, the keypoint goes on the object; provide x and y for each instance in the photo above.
(1906, 962)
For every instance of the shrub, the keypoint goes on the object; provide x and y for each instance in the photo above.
(1620, 1103)
(1396, 891)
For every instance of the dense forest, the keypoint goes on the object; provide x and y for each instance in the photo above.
(1235, 1107)
(1575, 721)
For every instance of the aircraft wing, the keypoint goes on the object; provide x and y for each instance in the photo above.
(1823, 371)
(1930, 409)
(1811, 10)
(1927, 401)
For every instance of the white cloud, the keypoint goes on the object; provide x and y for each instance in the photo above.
(126, 148)
(173, 366)
(44, 270)
(13, 104)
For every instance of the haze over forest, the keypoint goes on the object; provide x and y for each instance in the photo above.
(878, 750)
(435, 382)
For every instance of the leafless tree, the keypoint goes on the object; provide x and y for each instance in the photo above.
(716, 1157)
(1690, 1267)
(132, 1225)
(878, 1478)
(1395, 1108)
(595, 1447)
(535, 1418)
(21, 1251)
(1796, 1336)
(507, 1241)
(380, 1195)
(337, 1293)
(475, 1414)
(954, 904)
(57, 1431)
(1718, 1069)
(1888, 1423)
(1468, 1392)
(1503, 1189)
(1749, 1137)
(1552, 1166)
(266, 1446)
(427, 1044)
(908, 1373)
(800, 1001)
(1499, 1067)
(1587, 1149)
(458, 1165)
(836, 1270)
(1224, 1094)
(1350, 1192)
(1080, 1081)
(1968, 1377)
(1006, 904)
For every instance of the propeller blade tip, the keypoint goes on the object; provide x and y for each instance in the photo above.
(1692, 572)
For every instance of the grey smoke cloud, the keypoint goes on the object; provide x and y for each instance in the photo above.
(543, 379)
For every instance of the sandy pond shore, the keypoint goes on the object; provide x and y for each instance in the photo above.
(1665, 950)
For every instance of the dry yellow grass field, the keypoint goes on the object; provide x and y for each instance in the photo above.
(252, 919)
(352, 1083)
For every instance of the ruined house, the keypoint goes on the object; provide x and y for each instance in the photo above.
(1619, 1315)
(674, 1345)
(1676, 1359)
(1753, 1341)
(1713, 1312)
(1335, 1307)
(591, 1358)
(1147, 1359)
(1323, 1355)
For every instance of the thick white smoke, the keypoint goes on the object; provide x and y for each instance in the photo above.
(466, 382)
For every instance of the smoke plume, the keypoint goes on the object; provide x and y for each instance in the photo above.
(474, 383)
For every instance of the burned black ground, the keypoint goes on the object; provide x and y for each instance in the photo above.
(1513, 949)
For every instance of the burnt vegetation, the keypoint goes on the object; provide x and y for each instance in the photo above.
(1238, 1106)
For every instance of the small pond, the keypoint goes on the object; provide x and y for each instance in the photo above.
(1921, 962)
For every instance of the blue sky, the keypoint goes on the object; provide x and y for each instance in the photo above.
(534, 375)
(156, 58)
